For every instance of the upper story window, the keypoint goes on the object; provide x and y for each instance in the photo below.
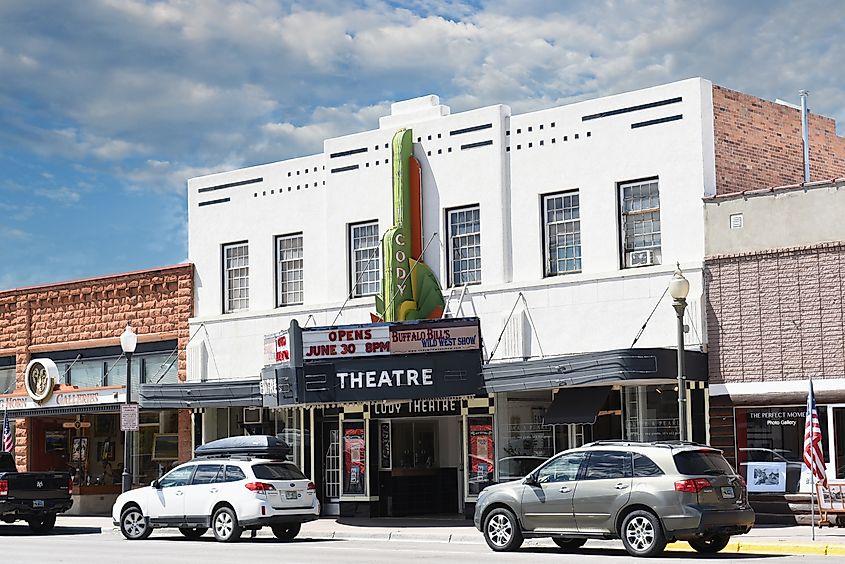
(640, 213)
(364, 257)
(7, 379)
(464, 246)
(562, 231)
(235, 277)
(289, 270)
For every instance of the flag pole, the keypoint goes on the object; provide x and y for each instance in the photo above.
(813, 508)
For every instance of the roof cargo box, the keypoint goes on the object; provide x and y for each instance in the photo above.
(261, 446)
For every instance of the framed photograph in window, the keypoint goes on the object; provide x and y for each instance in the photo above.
(166, 446)
(105, 450)
(79, 450)
(55, 442)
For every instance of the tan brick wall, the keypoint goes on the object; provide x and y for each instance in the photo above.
(93, 313)
(758, 144)
(776, 315)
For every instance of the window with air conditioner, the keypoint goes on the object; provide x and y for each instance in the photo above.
(640, 213)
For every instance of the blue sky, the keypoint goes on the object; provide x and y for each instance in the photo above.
(107, 107)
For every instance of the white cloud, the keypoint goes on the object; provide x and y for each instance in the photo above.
(62, 195)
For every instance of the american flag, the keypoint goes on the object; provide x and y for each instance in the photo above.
(813, 455)
(8, 437)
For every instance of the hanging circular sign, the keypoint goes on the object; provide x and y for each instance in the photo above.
(40, 378)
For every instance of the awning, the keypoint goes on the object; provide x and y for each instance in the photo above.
(577, 405)
(636, 366)
(216, 393)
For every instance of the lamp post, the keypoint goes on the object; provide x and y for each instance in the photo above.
(679, 289)
(128, 341)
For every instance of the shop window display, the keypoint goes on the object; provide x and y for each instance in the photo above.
(651, 413)
(769, 442)
(525, 441)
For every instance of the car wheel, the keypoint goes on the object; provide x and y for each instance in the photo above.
(225, 525)
(286, 532)
(642, 535)
(193, 532)
(42, 524)
(133, 525)
(569, 544)
(501, 530)
(710, 545)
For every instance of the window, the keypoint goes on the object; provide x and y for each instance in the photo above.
(289, 270)
(277, 472)
(178, 477)
(561, 469)
(234, 474)
(562, 220)
(608, 466)
(702, 462)
(465, 246)
(644, 467)
(366, 266)
(208, 474)
(640, 212)
(235, 277)
(7, 379)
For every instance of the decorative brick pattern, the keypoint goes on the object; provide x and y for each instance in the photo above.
(93, 312)
(758, 144)
(776, 315)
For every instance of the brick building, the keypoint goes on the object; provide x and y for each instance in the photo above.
(72, 329)
(774, 287)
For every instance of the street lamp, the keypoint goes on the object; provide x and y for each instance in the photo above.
(128, 341)
(678, 289)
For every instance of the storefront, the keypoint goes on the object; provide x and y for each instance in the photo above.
(547, 406)
(392, 419)
(70, 409)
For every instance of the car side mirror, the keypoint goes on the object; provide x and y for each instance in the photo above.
(155, 485)
(531, 480)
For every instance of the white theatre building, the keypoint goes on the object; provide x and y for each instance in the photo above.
(559, 229)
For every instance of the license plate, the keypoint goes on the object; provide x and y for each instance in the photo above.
(727, 492)
(38, 503)
(291, 495)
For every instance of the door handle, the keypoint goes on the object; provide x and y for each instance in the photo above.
(178, 492)
(213, 490)
(621, 486)
(565, 489)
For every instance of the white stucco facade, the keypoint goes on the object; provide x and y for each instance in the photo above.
(663, 133)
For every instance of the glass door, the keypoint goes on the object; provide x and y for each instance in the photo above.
(331, 468)
(838, 443)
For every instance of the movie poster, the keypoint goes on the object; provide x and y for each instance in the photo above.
(482, 466)
(354, 458)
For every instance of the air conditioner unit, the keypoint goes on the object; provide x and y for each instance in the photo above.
(253, 415)
(641, 258)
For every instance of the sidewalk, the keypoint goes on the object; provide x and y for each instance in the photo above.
(763, 539)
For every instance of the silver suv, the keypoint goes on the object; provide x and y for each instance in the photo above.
(647, 494)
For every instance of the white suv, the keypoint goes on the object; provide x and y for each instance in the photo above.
(227, 494)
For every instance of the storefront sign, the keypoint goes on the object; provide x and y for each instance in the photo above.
(100, 396)
(394, 378)
(346, 342)
(405, 340)
(416, 408)
(40, 377)
(276, 348)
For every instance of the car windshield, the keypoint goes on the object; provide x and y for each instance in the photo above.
(702, 462)
(277, 472)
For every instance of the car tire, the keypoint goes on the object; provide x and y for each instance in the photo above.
(193, 532)
(710, 545)
(569, 543)
(502, 531)
(642, 534)
(225, 525)
(287, 531)
(42, 524)
(133, 524)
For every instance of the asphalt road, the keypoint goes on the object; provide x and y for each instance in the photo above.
(91, 546)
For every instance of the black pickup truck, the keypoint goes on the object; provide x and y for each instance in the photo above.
(34, 497)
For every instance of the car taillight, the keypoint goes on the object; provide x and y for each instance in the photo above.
(70, 484)
(259, 487)
(692, 486)
(4, 487)
(312, 486)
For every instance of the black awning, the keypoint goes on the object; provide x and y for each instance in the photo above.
(215, 393)
(577, 405)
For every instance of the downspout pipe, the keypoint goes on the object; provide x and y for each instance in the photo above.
(805, 133)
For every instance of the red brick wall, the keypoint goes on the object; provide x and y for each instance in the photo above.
(93, 313)
(776, 315)
(758, 144)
